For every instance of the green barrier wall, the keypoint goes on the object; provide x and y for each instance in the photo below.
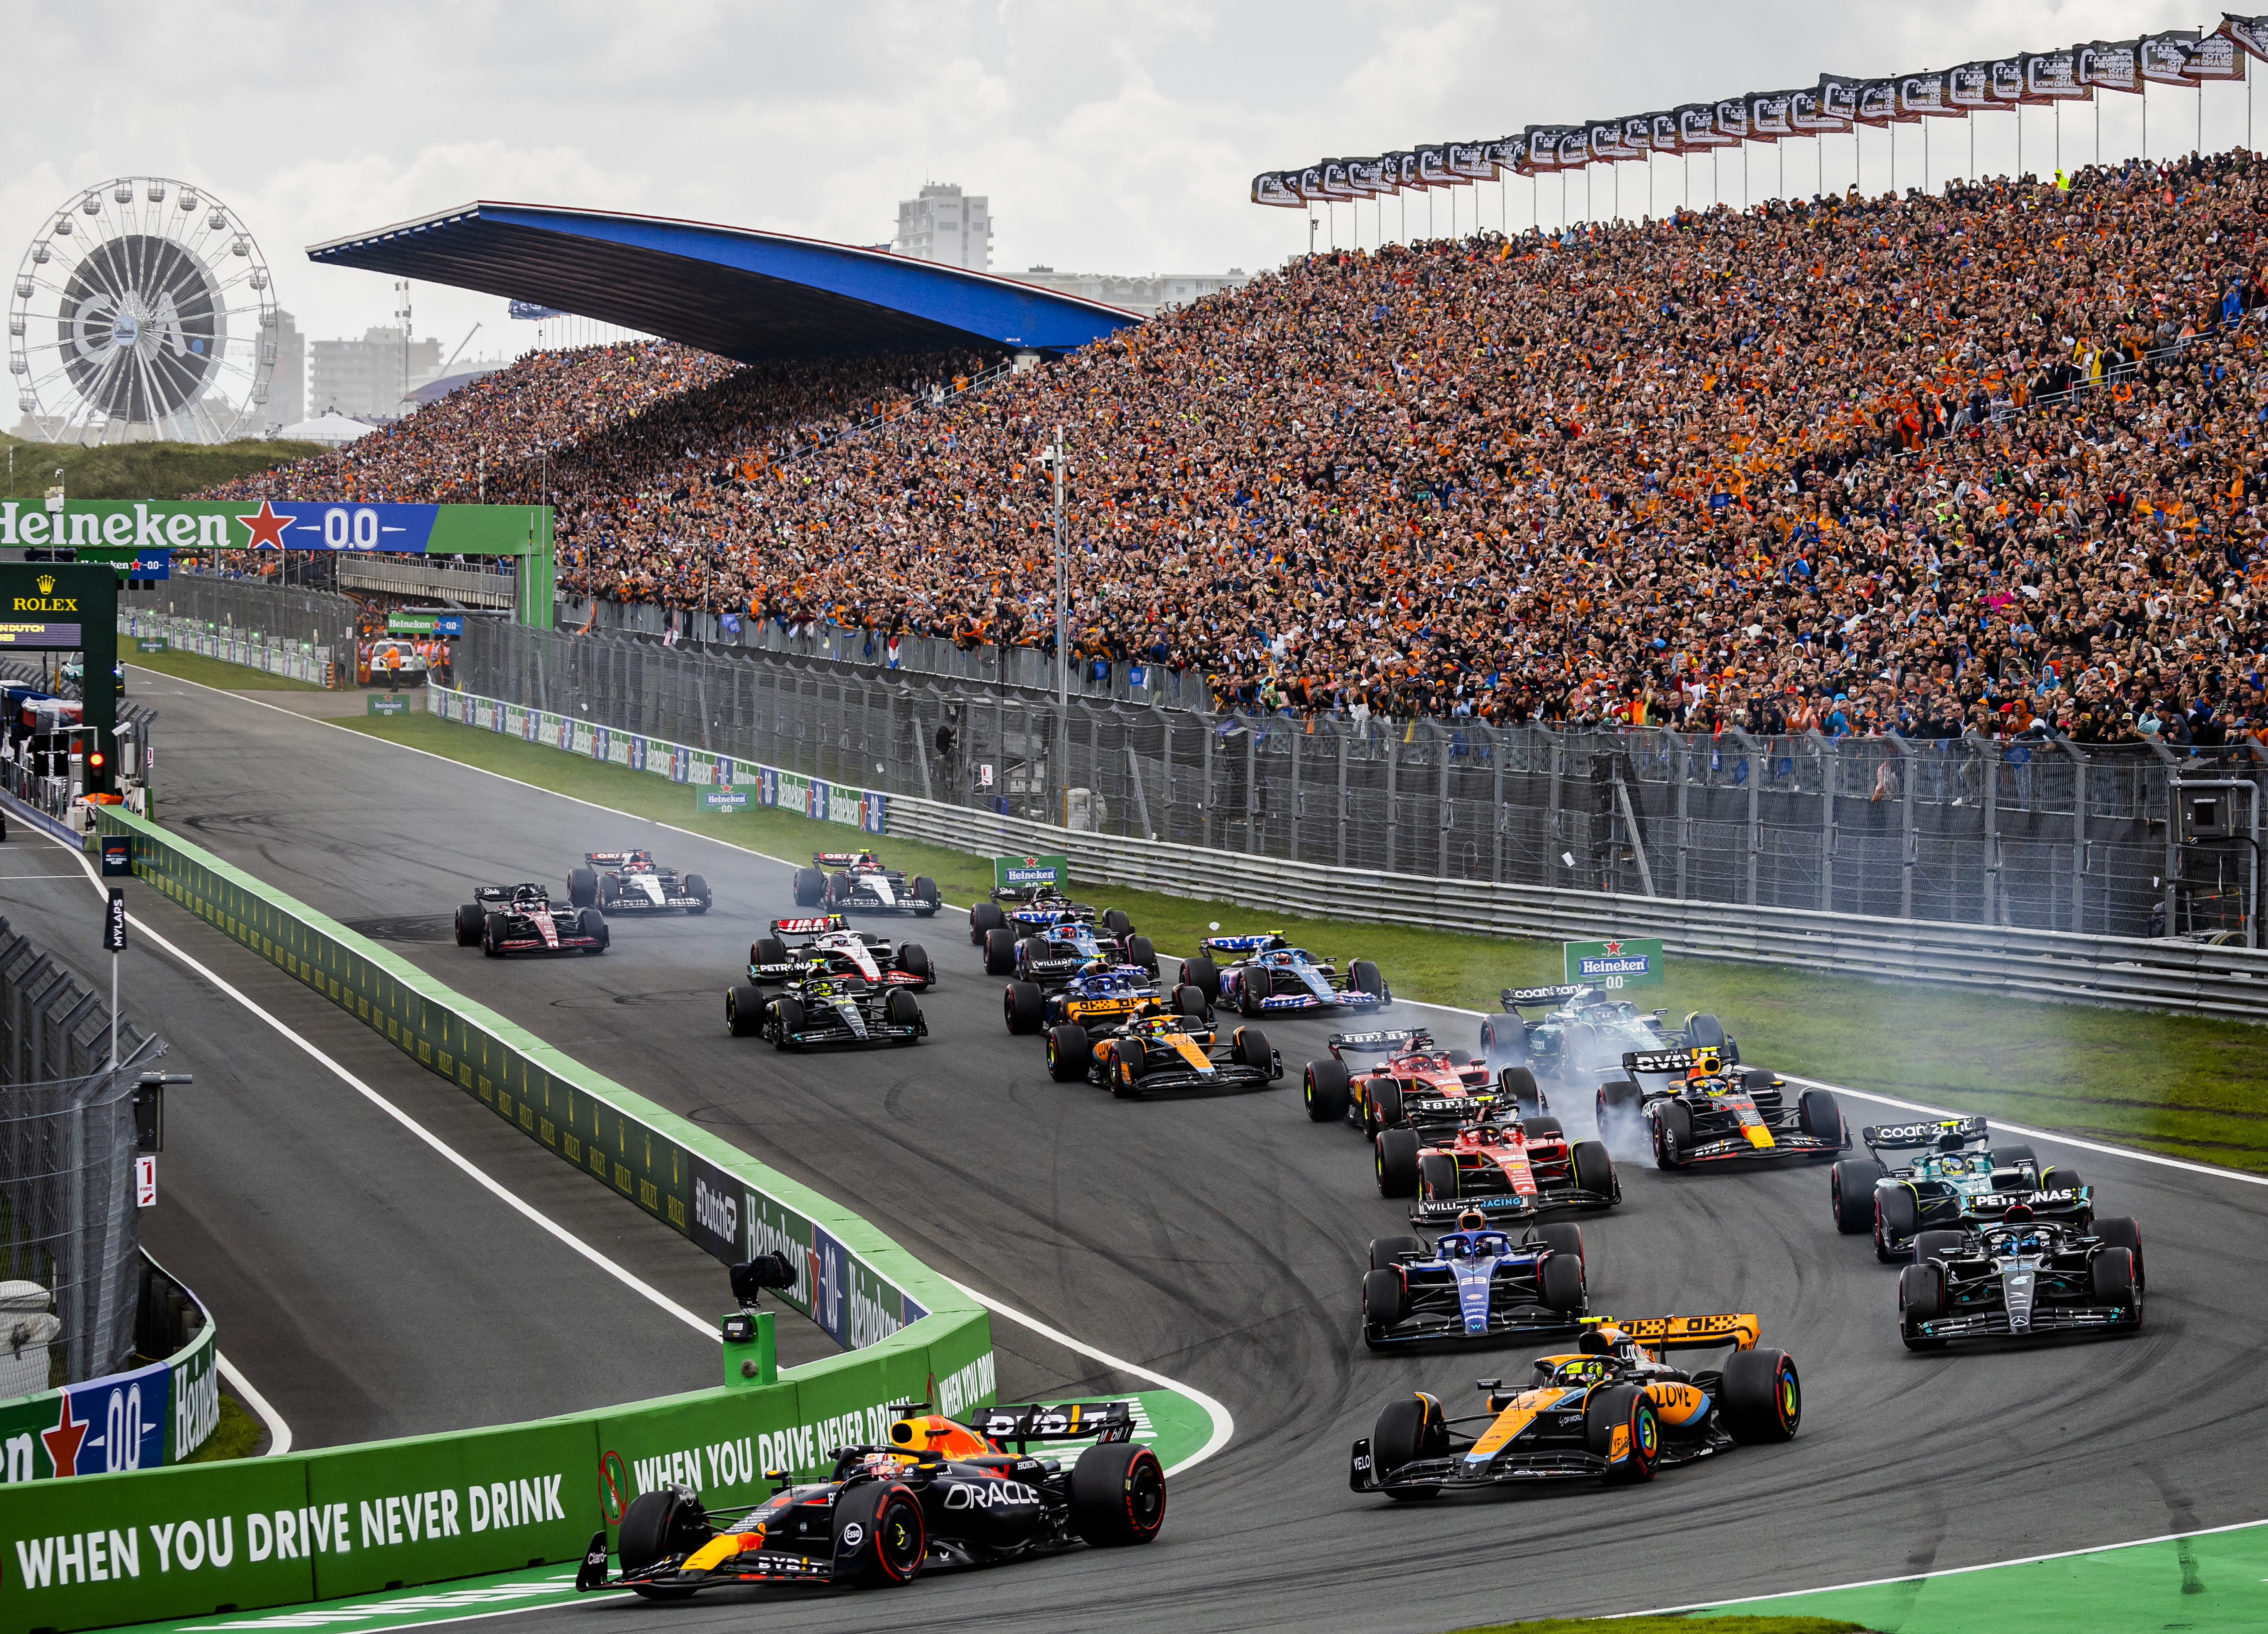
(90, 1552)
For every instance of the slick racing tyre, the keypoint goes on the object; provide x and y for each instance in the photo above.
(2111, 1276)
(656, 1525)
(880, 1539)
(1394, 1153)
(2055, 1177)
(1251, 1048)
(1327, 1090)
(1023, 1007)
(784, 1018)
(1763, 1398)
(1407, 1429)
(1518, 1085)
(1897, 1219)
(1251, 992)
(1437, 1177)
(1821, 1118)
(1507, 1038)
(810, 887)
(1561, 1282)
(744, 1012)
(1068, 1052)
(1594, 1170)
(1381, 1299)
(470, 922)
(593, 924)
(1541, 1128)
(768, 950)
(1383, 1098)
(1387, 1251)
(1936, 1245)
(1850, 1193)
(2016, 1157)
(1117, 1495)
(1626, 1407)
(1363, 978)
(1921, 1297)
(1115, 921)
(492, 936)
(901, 1008)
(999, 951)
(582, 887)
(1191, 1002)
(1138, 952)
(1204, 976)
(1673, 1134)
(1617, 1100)
(983, 917)
(927, 899)
(913, 959)
(697, 886)
(1129, 1059)
(2120, 1231)
(1705, 1031)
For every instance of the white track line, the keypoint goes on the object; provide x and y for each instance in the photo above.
(628, 1279)
(279, 1433)
(1223, 1424)
(1950, 1571)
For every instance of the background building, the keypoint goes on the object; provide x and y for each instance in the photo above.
(1145, 296)
(366, 380)
(944, 225)
(287, 387)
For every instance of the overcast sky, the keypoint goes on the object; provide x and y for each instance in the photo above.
(1114, 137)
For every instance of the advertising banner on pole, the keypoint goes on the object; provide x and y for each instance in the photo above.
(1613, 964)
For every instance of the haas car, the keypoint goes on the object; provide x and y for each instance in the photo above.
(2021, 1278)
(1266, 973)
(1047, 941)
(1416, 1071)
(1583, 1034)
(506, 919)
(1494, 1161)
(827, 943)
(1612, 1410)
(630, 882)
(816, 1008)
(1708, 1112)
(1477, 1282)
(1947, 1185)
(1151, 1053)
(856, 882)
(1099, 997)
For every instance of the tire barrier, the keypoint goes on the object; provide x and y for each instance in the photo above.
(176, 1542)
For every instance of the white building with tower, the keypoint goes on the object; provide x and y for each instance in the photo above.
(945, 225)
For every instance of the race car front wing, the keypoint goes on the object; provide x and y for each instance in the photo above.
(1511, 1205)
(760, 1565)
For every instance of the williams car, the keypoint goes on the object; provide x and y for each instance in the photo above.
(1477, 1282)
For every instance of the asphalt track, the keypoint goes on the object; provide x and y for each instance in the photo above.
(1219, 1241)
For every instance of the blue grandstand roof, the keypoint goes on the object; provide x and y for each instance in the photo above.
(732, 290)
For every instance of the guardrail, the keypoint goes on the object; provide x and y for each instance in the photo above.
(274, 655)
(2154, 974)
(346, 1520)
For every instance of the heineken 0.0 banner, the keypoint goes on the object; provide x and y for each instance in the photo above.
(1021, 871)
(1613, 964)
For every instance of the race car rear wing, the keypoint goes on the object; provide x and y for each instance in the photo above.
(1665, 1060)
(505, 893)
(1740, 1330)
(610, 859)
(844, 859)
(1064, 1421)
(1381, 1044)
(818, 925)
(1253, 941)
(1893, 1137)
(1514, 997)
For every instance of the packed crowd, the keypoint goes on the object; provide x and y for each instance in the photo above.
(1984, 461)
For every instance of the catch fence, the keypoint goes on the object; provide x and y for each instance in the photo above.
(254, 611)
(67, 1139)
(2033, 834)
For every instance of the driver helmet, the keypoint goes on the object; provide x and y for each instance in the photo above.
(1472, 1219)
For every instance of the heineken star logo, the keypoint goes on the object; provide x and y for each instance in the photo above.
(1613, 948)
(267, 527)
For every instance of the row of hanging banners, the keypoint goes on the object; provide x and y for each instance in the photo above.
(1837, 104)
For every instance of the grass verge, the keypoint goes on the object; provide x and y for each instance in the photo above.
(1674, 1625)
(2189, 1087)
(236, 1435)
(215, 671)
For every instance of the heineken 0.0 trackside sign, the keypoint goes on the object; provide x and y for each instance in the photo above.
(1020, 871)
(1613, 963)
(104, 528)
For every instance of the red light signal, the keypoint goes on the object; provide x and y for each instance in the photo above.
(96, 760)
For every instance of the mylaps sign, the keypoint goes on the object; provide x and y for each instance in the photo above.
(1613, 964)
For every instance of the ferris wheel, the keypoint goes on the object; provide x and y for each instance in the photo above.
(143, 309)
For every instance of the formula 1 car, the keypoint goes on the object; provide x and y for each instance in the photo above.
(1098, 998)
(816, 1008)
(827, 943)
(859, 884)
(630, 882)
(1711, 1113)
(1272, 975)
(1613, 1411)
(1475, 1282)
(1415, 1073)
(1016, 908)
(506, 919)
(1505, 1166)
(940, 1494)
(1163, 1052)
(1947, 1185)
(1584, 1039)
(2020, 1278)
(1048, 946)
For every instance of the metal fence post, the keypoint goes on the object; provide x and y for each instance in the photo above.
(1991, 779)
(1495, 804)
(1251, 790)
(1552, 847)
(1393, 801)
(1299, 796)
(1206, 798)
(1826, 764)
(1682, 769)
(1441, 796)
(2078, 832)
(1340, 730)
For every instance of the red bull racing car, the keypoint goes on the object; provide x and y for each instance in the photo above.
(506, 919)
(1712, 1113)
(1612, 1410)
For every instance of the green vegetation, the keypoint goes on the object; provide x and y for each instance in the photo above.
(1674, 1625)
(212, 672)
(139, 470)
(2185, 1086)
(238, 1435)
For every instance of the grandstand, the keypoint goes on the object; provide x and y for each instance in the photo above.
(1982, 461)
